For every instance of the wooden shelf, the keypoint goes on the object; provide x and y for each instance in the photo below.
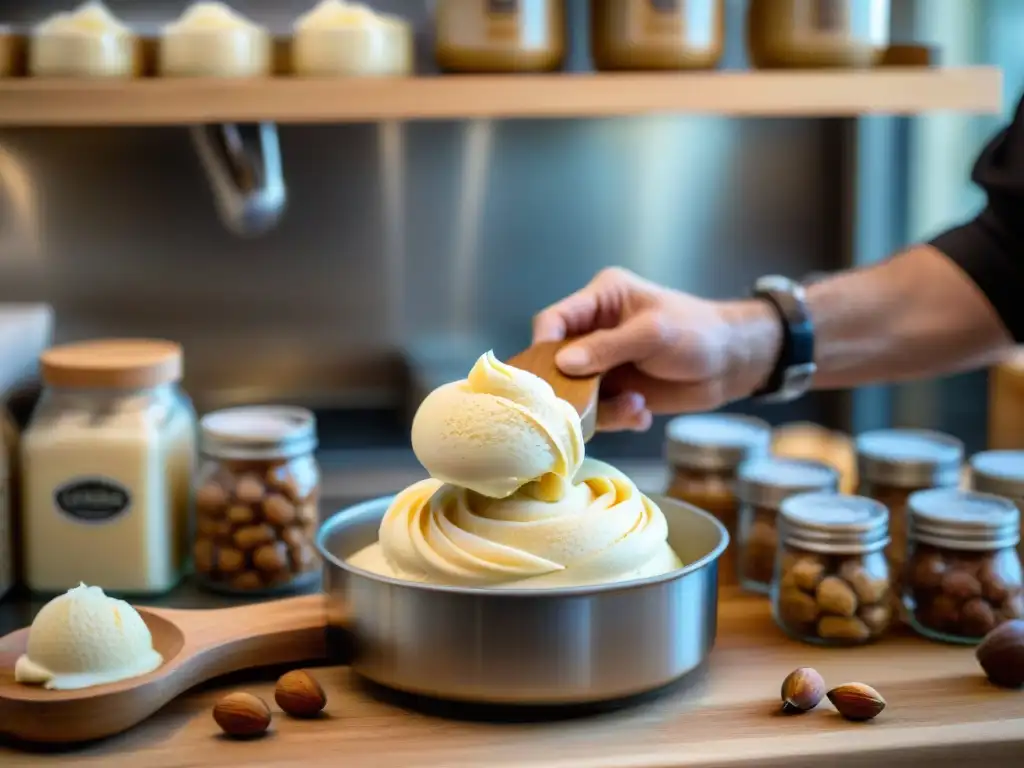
(285, 100)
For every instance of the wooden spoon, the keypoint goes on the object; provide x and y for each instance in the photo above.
(196, 646)
(580, 392)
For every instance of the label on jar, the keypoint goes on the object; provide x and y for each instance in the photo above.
(92, 499)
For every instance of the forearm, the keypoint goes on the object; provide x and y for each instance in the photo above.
(914, 315)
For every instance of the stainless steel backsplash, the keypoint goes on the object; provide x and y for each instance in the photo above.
(396, 235)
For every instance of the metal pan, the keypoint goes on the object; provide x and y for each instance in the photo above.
(532, 647)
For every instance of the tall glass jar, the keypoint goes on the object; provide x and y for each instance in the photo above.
(1000, 473)
(762, 485)
(257, 501)
(892, 464)
(704, 452)
(963, 575)
(832, 580)
(107, 464)
(477, 36)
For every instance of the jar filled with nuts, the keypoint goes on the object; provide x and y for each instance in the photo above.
(1001, 473)
(832, 580)
(762, 485)
(256, 503)
(704, 452)
(963, 575)
(894, 463)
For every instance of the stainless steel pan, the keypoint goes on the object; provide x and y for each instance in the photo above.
(559, 646)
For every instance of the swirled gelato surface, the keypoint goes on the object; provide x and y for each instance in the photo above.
(512, 503)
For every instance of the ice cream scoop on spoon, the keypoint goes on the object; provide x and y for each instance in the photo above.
(580, 392)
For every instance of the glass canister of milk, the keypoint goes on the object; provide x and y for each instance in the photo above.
(107, 464)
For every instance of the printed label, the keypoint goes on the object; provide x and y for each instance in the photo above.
(92, 500)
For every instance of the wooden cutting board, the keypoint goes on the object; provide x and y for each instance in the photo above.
(941, 712)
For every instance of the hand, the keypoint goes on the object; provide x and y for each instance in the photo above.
(660, 350)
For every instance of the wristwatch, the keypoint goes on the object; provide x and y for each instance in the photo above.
(794, 369)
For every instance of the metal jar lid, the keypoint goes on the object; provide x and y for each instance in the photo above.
(999, 472)
(260, 432)
(966, 520)
(715, 441)
(768, 481)
(909, 458)
(834, 524)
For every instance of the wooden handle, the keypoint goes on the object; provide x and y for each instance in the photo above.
(285, 631)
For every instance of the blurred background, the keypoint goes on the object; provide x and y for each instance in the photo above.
(408, 249)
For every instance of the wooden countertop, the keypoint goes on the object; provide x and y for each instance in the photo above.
(941, 712)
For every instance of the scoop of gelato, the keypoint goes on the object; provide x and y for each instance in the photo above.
(497, 430)
(84, 638)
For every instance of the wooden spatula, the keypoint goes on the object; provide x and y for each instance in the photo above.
(196, 646)
(580, 392)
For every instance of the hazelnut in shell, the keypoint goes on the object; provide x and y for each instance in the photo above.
(837, 597)
(242, 715)
(300, 695)
(1001, 654)
(802, 690)
(857, 701)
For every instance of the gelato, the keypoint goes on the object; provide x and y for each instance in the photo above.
(512, 502)
(84, 638)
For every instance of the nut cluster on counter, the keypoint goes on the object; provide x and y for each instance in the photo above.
(964, 576)
(257, 501)
(834, 584)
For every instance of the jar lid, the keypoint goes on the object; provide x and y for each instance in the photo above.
(950, 517)
(715, 441)
(999, 472)
(112, 364)
(767, 482)
(909, 458)
(258, 432)
(831, 523)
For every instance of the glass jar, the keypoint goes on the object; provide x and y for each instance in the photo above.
(892, 464)
(704, 452)
(8, 436)
(1006, 403)
(477, 36)
(657, 34)
(786, 34)
(1000, 473)
(761, 487)
(963, 576)
(257, 501)
(107, 464)
(832, 583)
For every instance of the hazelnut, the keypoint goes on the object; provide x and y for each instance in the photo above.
(941, 613)
(796, 607)
(277, 510)
(252, 536)
(842, 628)
(856, 701)
(242, 715)
(204, 553)
(868, 588)
(977, 618)
(230, 560)
(294, 537)
(877, 617)
(1001, 655)
(271, 558)
(835, 596)
(927, 571)
(299, 694)
(808, 572)
(994, 587)
(240, 514)
(250, 489)
(960, 585)
(802, 690)
(211, 499)
(247, 582)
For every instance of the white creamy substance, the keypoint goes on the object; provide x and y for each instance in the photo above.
(337, 38)
(212, 40)
(87, 42)
(138, 445)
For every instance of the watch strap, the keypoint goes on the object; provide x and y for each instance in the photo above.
(794, 368)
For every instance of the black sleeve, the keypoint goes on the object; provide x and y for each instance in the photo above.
(990, 249)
